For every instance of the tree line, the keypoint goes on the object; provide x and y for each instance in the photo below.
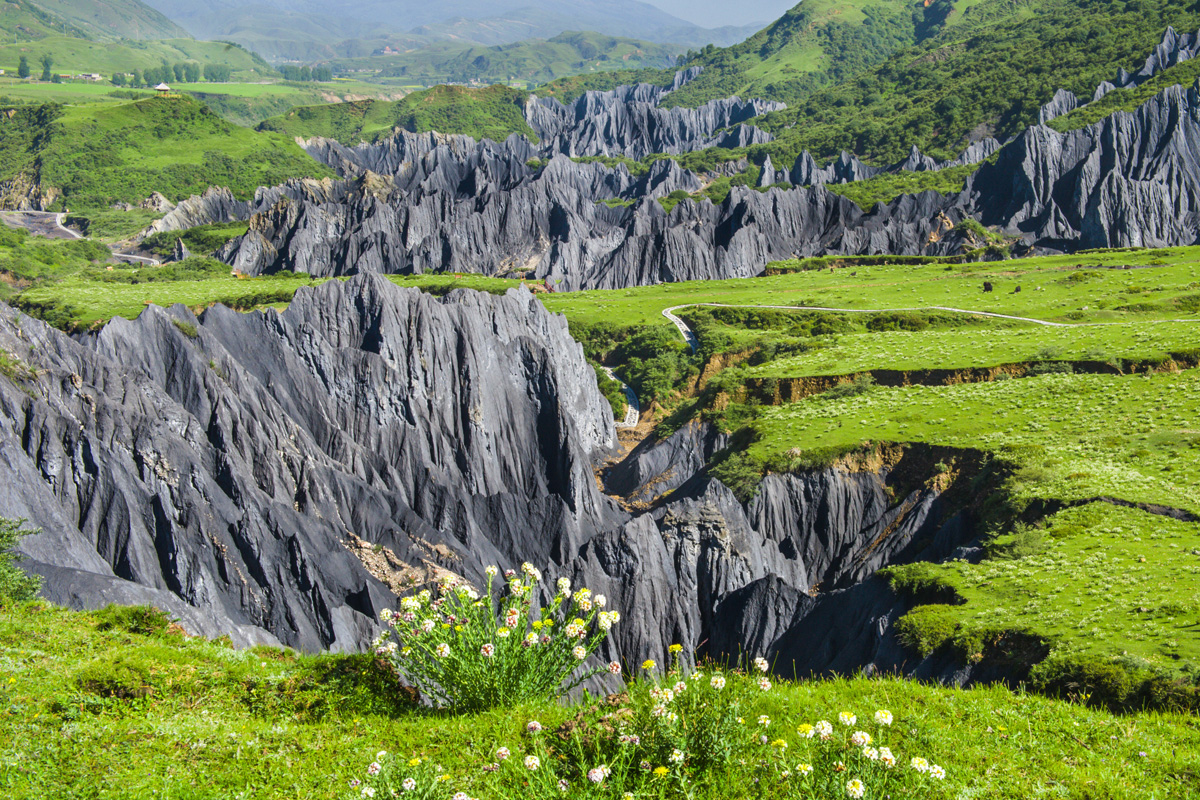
(294, 73)
(183, 72)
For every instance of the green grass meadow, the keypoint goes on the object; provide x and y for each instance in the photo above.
(212, 721)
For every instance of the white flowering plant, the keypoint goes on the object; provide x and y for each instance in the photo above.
(686, 719)
(472, 651)
(390, 776)
(848, 757)
(681, 732)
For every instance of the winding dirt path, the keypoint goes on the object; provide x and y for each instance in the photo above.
(632, 408)
(50, 225)
(689, 336)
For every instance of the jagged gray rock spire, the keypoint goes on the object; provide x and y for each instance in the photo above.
(616, 124)
(1129, 180)
(1174, 49)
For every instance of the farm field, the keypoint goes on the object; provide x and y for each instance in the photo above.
(74, 55)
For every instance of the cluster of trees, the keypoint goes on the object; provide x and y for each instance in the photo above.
(183, 72)
(47, 62)
(293, 73)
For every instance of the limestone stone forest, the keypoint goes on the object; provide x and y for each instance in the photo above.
(812, 417)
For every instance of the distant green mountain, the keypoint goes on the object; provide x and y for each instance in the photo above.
(534, 61)
(984, 70)
(107, 20)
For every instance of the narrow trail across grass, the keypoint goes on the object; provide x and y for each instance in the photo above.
(689, 336)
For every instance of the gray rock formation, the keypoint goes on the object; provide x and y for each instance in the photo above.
(235, 468)
(1130, 180)
(1062, 103)
(279, 476)
(1172, 50)
(217, 204)
(621, 123)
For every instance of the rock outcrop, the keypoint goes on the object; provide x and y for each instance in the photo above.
(230, 460)
(1130, 180)
(280, 477)
(618, 123)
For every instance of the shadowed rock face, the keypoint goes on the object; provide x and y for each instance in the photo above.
(1130, 180)
(281, 476)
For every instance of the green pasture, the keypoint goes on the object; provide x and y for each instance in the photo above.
(272, 723)
(1078, 436)
(1052, 288)
(1094, 580)
(987, 345)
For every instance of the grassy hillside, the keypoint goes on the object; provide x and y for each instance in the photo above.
(243, 104)
(1089, 424)
(492, 113)
(813, 44)
(98, 154)
(875, 78)
(118, 704)
(74, 55)
(23, 21)
(113, 19)
(528, 61)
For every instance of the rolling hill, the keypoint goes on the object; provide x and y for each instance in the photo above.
(296, 30)
(108, 20)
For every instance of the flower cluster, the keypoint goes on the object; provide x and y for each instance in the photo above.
(678, 733)
(849, 760)
(474, 650)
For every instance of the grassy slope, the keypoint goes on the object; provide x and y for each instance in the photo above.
(23, 21)
(114, 19)
(221, 722)
(74, 55)
(814, 43)
(492, 113)
(244, 104)
(101, 154)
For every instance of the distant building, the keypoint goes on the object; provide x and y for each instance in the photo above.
(163, 90)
